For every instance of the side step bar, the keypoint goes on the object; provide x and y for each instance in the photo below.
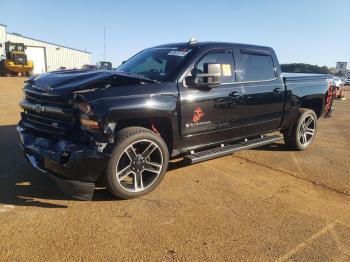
(229, 149)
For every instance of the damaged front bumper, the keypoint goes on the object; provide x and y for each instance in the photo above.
(74, 168)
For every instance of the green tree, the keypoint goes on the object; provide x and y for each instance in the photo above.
(304, 68)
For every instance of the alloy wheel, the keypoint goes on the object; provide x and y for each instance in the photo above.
(307, 130)
(139, 165)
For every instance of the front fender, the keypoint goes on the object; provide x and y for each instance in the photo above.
(139, 107)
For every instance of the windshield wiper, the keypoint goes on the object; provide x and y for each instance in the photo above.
(142, 77)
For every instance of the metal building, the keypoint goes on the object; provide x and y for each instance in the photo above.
(46, 56)
(341, 68)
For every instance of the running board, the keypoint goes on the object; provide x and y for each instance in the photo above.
(229, 149)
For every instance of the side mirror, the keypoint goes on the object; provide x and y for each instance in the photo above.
(210, 77)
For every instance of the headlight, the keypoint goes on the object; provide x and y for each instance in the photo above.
(86, 117)
(88, 123)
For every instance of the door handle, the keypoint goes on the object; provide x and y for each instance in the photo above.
(277, 90)
(234, 94)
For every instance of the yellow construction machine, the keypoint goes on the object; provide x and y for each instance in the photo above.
(16, 61)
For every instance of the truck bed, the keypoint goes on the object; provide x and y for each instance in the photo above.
(303, 76)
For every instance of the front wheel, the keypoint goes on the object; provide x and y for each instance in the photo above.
(138, 163)
(301, 135)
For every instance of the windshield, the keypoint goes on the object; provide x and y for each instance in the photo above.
(155, 63)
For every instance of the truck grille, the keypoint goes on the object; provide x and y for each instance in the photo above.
(45, 100)
(48, 114)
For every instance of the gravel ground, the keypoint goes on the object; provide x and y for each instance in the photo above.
(266, 204)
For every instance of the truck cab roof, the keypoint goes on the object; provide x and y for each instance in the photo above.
(208, 44)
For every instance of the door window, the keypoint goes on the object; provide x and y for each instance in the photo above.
(255, 67)
(224, 58)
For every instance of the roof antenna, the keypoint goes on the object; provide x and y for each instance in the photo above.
(192, 41)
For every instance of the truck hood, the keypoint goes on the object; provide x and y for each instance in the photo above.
(66, 81)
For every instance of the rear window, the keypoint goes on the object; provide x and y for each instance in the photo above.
(255, 67)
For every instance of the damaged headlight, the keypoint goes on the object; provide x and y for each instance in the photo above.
(87, 117)
(88, 123)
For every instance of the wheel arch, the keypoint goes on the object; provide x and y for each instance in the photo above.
(315, 104)
(157, 113)
(162, 126)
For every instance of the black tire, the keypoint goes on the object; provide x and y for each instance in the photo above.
(294, 137)
(2, 73)
(29, 74)
(134, 136)
(7, 73)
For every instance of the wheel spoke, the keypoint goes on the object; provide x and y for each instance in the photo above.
(304, 138)
(311, 120)
(310, 131)
(141, 180)
(152, 167)
(138, 181)
(135, 181)
(149, 150)
(124, 173)
(130, 152)
(300, 135)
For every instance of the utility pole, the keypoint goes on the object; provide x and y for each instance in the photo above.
(104, 43)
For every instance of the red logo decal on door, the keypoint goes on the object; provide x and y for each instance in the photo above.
(198, 114)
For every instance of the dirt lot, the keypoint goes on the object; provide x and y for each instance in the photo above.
(265, 204)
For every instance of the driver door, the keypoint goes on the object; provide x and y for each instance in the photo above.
(211, 114)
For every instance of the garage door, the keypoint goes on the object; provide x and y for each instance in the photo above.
(37, 55)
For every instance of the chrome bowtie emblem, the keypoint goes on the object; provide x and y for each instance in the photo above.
(38, 108)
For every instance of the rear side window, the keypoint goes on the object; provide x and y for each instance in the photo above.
(255, 67)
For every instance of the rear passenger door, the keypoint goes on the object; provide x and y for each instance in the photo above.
(263, 91)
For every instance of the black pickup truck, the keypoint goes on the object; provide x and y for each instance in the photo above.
(196, 100)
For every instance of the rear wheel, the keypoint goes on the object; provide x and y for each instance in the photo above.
(138, 163)
(301, 135)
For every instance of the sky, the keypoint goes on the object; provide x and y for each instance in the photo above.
(309, 31)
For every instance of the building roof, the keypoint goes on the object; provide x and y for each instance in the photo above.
(15, 34)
